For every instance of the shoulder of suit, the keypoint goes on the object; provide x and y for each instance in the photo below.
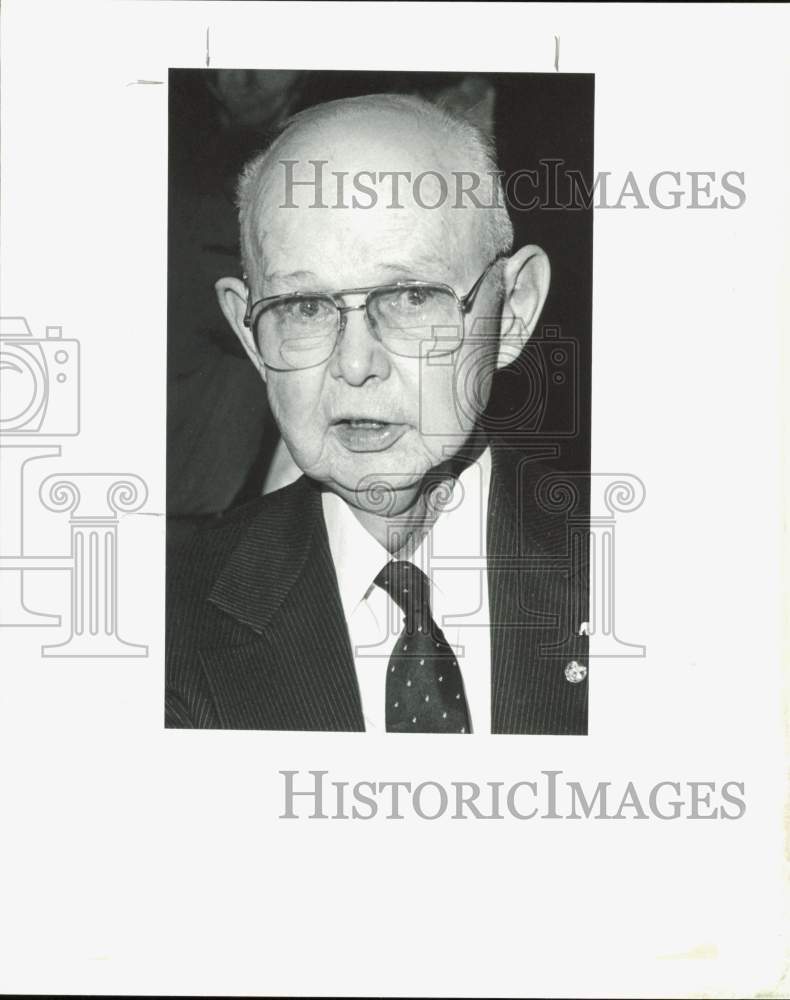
(195, 565)
(543, 495)
(518, 466)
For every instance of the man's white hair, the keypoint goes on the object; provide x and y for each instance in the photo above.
(478, 152)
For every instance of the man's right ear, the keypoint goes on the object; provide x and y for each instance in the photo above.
(232, 297)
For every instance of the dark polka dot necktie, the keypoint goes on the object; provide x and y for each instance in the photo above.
(425, 691)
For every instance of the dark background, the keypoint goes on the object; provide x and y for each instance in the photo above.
(220, 435)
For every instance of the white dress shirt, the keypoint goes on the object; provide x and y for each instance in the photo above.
(452, 555)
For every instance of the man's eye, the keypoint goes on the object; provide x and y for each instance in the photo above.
(307, 311)
(410, 299)
(416, 296)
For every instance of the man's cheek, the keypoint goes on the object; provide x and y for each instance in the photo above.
(293, 405)
(304, 434)
(438, 405)
(472, 387)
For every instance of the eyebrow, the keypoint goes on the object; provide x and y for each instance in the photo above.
(395, 267)
(427, 264)
(284, 275)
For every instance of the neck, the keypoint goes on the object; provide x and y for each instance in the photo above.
(402, 532)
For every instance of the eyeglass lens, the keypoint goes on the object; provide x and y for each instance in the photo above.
(301, 331)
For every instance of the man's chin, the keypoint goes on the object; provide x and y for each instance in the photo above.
(378, 493)
(376, 486)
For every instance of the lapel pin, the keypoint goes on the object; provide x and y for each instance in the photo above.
(575, 672)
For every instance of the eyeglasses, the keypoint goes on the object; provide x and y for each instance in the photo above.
(410, 318)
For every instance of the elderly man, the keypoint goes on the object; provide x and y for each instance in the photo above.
(404, 582)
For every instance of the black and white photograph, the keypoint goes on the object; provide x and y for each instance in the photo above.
(372, 376)
(379, 370)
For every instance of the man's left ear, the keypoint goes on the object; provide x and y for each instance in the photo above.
(527, 278)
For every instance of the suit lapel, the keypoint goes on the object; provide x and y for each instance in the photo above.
(290, 666)
(285, 659)
(529, 600)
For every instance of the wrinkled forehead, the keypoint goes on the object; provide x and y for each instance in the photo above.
(355, 197)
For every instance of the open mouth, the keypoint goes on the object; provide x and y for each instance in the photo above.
(367, 434)
(365, 423)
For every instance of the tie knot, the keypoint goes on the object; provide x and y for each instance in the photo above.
(408, 586)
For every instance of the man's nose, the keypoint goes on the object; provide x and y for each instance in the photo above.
(359, 355)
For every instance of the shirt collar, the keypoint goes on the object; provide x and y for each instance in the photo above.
(358, 556)
(459, 531)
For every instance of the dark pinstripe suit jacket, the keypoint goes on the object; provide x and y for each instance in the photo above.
(256, 637)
